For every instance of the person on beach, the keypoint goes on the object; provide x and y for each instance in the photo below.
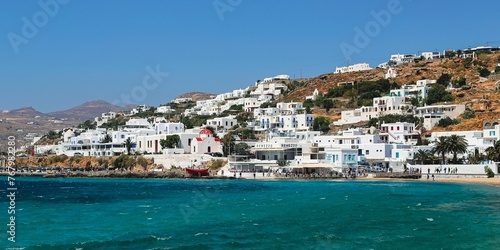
(427, 176)
(432, 177)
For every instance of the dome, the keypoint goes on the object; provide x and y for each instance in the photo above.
(205, 132)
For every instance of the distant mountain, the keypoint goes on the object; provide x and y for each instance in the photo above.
(28, 112)
(197, 96)
(88, 110)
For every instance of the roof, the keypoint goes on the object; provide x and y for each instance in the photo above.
(217, 139)
(205, 132)
(199, 139)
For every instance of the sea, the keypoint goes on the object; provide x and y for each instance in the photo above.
(72, 213)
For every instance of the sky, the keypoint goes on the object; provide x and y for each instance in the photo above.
(57, 54)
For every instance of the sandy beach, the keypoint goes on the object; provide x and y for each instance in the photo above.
(471, 180)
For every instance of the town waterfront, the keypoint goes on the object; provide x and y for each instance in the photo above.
(72, 213)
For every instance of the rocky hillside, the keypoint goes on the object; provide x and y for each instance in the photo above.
(480, 94)
(197, 96)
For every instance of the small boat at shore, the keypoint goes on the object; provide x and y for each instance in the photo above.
(197, 170)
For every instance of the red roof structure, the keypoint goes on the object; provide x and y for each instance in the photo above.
(205, 132)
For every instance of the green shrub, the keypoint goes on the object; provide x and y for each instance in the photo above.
(469, 114)
(489, 172)
(447, 121)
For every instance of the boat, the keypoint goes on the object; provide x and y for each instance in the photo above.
(197, 170)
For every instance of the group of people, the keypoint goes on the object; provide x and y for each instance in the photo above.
(445, 170)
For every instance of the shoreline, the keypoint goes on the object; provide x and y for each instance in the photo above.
(179, 175)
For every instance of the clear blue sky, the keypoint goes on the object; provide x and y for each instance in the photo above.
(99, 50)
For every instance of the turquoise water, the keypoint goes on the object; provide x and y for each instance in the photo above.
(236, 214)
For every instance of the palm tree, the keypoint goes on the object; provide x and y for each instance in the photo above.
(476, 157)
(107, 139)
(493, 153)
(421, 155)
(441, 147)
(457, 145)
(128, 144)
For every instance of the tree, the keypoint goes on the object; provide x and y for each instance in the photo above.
(421, 155)
(87, 125)
(444, 80)
(124, 161)
(457, 145)
(493, 153)
(438, 94)
(228, 143)
(476, 157)
(327, 104)
(447, 121)
(242, 149)
(441, 148)
(282, 162)
(321, 124)
(484, 72)
(128, 144)
(141, 161)
(469, 114)
(52, 135)
(170, 141)
(107, 139)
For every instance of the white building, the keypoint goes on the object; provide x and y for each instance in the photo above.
(285, 117)
(105, 117)
(399, 132)
(432, 114)
(368, 145)
(420, 90)
(315, 94)
(431, 55)
(398, 59)
(491, 133)
(353, 68)
(182, 100)
(391, 73)
(168, 128)
(474, 138)
(205, 143)
(222, 122)
(164, 110)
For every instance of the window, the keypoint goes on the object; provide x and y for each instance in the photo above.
(122, 136)
(397, 155)
(367, 152)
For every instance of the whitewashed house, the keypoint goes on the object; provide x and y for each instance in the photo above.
(205, 143)
(399, 132)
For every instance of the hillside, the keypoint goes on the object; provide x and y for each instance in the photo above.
(26, 112)
(196, 96)
(87, 111)
(26, 123)
(480, 94)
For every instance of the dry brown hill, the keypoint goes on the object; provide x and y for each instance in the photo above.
(197, 96)
(480, 95)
